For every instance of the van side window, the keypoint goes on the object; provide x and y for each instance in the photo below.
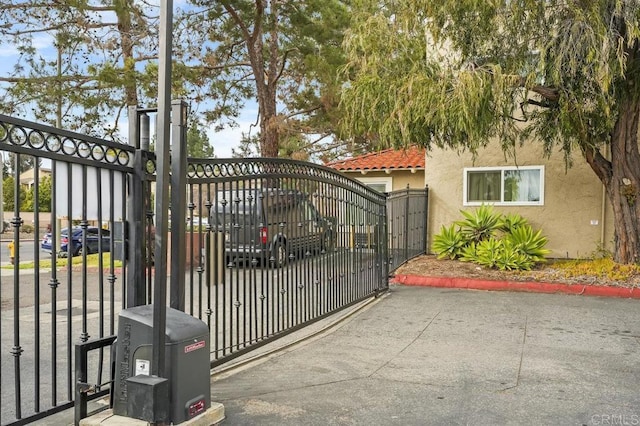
(309, 213)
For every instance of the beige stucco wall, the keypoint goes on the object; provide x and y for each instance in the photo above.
(572, 217)
(399, 178)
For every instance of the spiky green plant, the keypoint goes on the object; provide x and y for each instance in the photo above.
(502, 254)
(480, 224)
(510, 258)
(468, 253)
(529, 243)
(488, 252)
(448, 243)
(511, 221)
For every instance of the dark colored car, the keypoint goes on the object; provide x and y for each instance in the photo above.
(270, 225)
(96, 239)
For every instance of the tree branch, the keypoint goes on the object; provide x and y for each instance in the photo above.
(284, 63)
(40, 79)
(600, 165)
(306, 111)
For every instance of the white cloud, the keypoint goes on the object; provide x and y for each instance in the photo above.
(39, 41)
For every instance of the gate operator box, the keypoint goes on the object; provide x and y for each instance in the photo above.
(187, 364)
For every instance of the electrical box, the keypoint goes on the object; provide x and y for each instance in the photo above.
(187, 364)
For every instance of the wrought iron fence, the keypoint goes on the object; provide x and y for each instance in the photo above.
(407, 219)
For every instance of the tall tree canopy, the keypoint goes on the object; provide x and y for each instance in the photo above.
(103, 60)
(283, 53)
(455, 73)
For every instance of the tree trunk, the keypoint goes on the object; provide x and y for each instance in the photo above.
(269, 132)
(621, 177)
(122, 10)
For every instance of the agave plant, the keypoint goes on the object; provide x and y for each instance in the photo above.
(488, 252)
(529, 243)
(479, 225)
(511, 221)
(510, 258)
(469, 253)
(448, 243)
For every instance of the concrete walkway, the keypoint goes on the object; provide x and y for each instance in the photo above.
(429, 356)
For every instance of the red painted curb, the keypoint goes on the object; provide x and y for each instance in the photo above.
(531, 287)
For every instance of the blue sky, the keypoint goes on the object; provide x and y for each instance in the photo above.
(222, 141)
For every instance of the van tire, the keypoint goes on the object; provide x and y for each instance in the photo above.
(279, 255)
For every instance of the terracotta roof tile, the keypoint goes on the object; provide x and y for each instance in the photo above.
(411, 158)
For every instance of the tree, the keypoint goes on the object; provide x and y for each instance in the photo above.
(8, 186)
(27, 162)
(249, 147)
(102, 63)
(198, 145)
(44, 196)
(455, 73)
(284, 54)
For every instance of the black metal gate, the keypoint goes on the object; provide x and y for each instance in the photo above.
(270, 246)
(407, 218)
(71, 204)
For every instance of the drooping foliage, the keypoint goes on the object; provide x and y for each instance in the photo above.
(461, 73)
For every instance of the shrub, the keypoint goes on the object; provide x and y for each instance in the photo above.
(448, 243)
(529, 243)
(479, 225)
(603, 267)
(27, 228)
(505, 242)
(510, 222)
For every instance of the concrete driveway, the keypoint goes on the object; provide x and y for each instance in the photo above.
(429, 356)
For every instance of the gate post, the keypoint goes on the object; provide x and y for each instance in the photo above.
(178, 202)
(134, 236)
(406, 224)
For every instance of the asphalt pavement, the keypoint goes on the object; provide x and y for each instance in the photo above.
(430, 356)
(434, 356)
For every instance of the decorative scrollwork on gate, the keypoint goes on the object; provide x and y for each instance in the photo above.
(14, 132)
(265, 168)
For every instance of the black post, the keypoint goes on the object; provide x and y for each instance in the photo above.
(425, 246)
(80, 400)
(178, 202)
(133, 234)
(406, 224)
(162, 189)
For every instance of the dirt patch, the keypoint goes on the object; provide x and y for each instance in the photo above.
(429, 265)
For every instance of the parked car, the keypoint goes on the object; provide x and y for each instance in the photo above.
(96, 238)
(270, 225)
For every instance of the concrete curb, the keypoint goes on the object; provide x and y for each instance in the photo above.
(531, 287)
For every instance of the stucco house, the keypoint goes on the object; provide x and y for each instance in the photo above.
(387, 170)
(28, 177)
(568, 204)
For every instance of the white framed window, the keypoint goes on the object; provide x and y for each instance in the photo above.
(507, 186)
(380, 184)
